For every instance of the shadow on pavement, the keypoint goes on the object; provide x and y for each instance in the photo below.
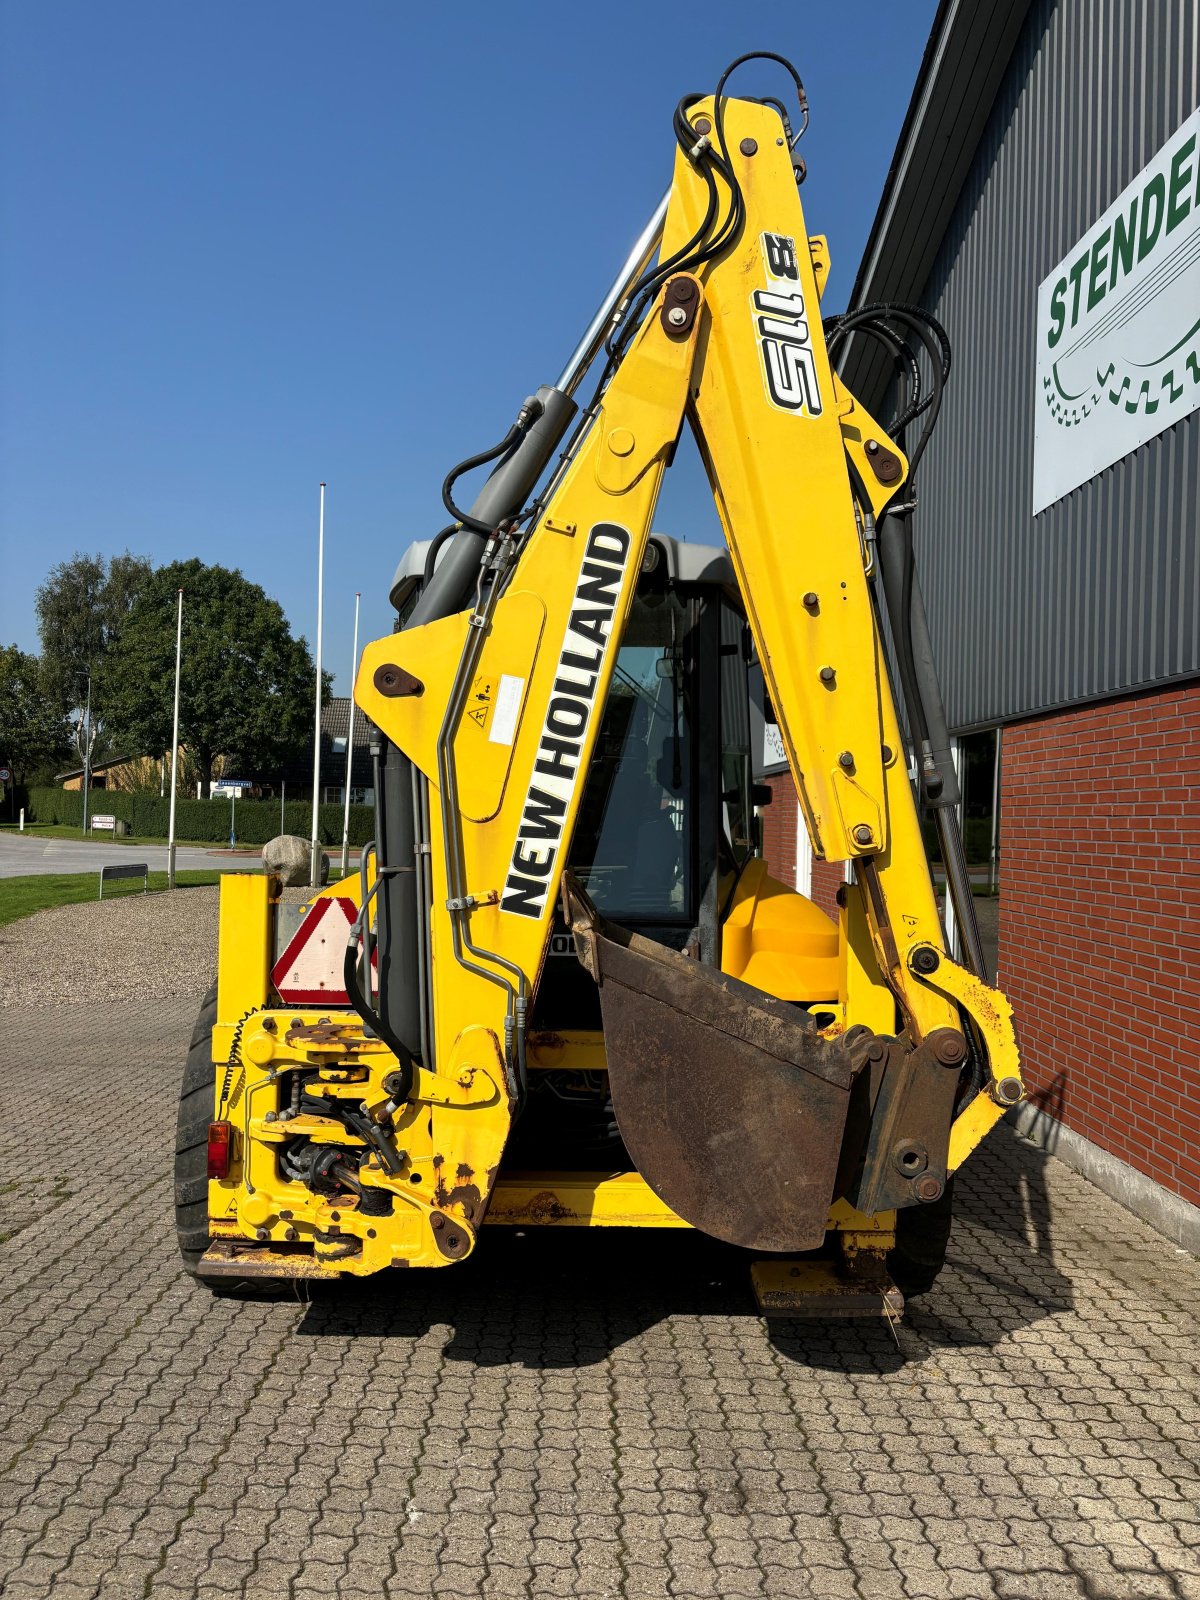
(569, 1297)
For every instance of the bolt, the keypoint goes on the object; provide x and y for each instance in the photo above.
(270, 1025)
(1007, 1092)
(827, 674)
(887, 753)
(863, 835)
(677, 316)
(270, 1117)
(810, 599)
(261, 1233)
(290, 1235)
(846, 759)
(925, 960)
(702, 125)
(748, 147)
(371, 1234)
(929, 1188)
(872, 447)
(437, 1222)
(948, 1046)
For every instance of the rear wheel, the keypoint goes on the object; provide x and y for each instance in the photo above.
(191, 1164)
(191, 1140)
(922, 1237)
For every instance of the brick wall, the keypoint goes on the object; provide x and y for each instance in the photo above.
(780, 822)
(781, 825)
(1100, 923)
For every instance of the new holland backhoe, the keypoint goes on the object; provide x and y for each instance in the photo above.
(563, 991)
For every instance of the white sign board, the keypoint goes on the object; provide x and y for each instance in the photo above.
(100, 820)
(1118, 326)
(767, 755)
(227, 787)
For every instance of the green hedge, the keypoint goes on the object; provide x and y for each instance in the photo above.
(206, 820)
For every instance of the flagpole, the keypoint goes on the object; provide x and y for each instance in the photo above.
(314, 869)
(350, 747)
(175, 748)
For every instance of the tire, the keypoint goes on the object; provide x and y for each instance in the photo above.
(191, 1140)
(191, 1169)
(922, 1237)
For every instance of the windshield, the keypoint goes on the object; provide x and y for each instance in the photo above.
(631, 849)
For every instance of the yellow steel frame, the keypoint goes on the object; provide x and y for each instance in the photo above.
(777, 462)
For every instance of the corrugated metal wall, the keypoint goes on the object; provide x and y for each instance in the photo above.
(1101, 592)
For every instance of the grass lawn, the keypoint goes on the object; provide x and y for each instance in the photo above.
(21, 897)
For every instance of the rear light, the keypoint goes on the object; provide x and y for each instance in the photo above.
(220, 1149)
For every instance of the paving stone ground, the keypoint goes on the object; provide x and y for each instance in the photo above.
(567, 1414)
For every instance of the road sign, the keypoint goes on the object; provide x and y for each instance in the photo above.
(230, 786)
(100, 820)
(5, 774)
(311, 971)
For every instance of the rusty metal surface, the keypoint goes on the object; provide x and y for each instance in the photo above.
(227, 1259)
(730, 1104)
(396, 682)
(909, 1133)
(464, 1193)
(325, 1031)
(454, 1240)
(819, 1290)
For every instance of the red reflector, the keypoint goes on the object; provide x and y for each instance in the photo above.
(220, 1149)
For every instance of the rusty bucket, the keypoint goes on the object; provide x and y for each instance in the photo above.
(729, 1102)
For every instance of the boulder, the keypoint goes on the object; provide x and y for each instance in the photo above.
(289, 857)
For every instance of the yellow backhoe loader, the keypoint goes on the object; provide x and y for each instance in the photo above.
(563, 991)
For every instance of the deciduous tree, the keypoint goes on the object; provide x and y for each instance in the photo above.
(81, 609)
(34, 733)
(246, 684)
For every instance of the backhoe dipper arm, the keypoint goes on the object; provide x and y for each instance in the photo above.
(774, 428)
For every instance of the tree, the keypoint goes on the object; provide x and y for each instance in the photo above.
(81, 609)
(246, 683)
(34, 732)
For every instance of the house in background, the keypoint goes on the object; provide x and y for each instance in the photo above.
(140, 774)
(297, 775)
(126, 773)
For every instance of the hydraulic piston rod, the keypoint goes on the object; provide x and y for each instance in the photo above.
(612, 307)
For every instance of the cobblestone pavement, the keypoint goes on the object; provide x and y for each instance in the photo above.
(567, 1414)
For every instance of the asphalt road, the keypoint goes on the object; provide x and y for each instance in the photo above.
(25, 857)
(594, 1414)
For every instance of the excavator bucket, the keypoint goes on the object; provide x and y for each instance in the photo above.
(731, 1105)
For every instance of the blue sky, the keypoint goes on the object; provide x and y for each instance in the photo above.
(244, 247)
